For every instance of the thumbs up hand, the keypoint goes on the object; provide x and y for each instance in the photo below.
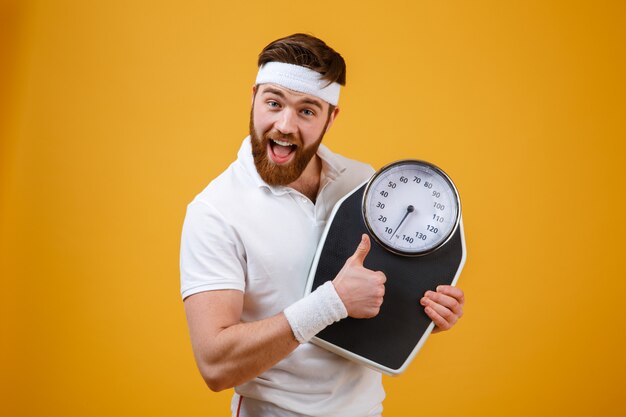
(360, 289)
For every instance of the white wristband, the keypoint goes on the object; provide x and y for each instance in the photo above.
(316, 311)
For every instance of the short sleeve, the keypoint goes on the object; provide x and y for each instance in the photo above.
(211, 254)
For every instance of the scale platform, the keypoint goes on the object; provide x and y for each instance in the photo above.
(389, 341)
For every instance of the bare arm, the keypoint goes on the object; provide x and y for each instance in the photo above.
(229, 352)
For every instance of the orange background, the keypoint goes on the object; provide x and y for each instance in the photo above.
(114, 114)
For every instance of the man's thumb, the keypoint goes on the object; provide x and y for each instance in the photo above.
(362, 250)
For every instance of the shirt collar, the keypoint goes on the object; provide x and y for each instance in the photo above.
(331, 166)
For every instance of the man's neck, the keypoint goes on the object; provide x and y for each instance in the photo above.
(308, 183)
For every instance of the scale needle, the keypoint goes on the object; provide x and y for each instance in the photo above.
(409, 209)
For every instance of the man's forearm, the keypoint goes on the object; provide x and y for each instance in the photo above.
(243, 351)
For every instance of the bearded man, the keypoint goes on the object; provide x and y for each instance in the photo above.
(248, 242)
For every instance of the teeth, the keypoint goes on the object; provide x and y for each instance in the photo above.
(281, 143)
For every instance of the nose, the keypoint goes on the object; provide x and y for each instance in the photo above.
(286, 123)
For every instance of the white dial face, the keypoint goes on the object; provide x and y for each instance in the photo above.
(411, 207)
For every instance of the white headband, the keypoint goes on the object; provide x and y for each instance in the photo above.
(297, 78)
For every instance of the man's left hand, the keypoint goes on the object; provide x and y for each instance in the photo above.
(444, 307)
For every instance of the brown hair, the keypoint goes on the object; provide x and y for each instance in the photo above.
(306, 51)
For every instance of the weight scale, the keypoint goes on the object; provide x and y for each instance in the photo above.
(412, 212)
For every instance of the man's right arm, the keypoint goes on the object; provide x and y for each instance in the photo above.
(229, 352)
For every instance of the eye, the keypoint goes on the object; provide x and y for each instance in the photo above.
(273, 104)
(308, 112)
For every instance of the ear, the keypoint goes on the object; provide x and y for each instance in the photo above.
(253, 94)
(332, 117)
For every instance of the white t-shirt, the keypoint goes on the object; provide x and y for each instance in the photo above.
(242, 234)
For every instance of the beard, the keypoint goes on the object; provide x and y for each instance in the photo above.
(284, 174)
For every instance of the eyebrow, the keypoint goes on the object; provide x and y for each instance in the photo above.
(305, 100)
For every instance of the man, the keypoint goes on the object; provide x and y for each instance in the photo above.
(248, 242)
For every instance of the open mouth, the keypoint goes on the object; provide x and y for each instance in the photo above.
(280, 151)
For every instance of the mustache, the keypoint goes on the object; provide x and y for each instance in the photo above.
(284, 137)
